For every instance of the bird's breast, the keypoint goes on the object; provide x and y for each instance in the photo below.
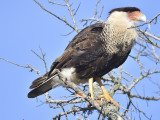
(118, 41)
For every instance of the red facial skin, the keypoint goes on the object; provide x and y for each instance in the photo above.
(134, 15)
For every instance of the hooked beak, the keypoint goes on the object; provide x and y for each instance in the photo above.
(142, 17)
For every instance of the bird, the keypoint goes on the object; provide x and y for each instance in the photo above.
(93, 52)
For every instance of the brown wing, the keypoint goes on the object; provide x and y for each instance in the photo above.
(82, 44)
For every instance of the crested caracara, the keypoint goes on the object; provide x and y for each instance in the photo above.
(93, 52)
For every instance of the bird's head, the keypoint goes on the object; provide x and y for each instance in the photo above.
(129, 15)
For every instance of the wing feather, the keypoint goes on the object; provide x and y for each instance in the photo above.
(79, 51)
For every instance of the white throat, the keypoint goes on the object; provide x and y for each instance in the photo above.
(121, 19)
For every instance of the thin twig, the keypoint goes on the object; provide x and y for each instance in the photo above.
(14, 63)
(145, 98)
(95, 13)
(56, 3)
(28, 66)
(77, 9)
(72, 15)
(73, 111)
(43, 55)
(153, 36)
(61, 19)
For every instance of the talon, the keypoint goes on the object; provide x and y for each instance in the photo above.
(108, 99)
(105, 95)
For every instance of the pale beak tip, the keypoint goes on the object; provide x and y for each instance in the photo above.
(142, 18)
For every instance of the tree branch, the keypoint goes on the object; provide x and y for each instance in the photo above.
(61, 19)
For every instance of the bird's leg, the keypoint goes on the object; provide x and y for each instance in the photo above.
(90, 80)
(91, 87)
(105, 95)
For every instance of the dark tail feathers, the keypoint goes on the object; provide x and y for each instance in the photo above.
(42, 85)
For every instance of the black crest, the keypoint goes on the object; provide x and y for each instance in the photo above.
(125, 9)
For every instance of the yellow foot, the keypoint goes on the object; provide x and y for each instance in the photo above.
(88, 104)
(100, 102)
(108, 99)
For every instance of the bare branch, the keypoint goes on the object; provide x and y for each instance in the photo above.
(73, 111)
(100, 13)
(61, 19)
(90, 19)
(32, 69)
(140, 78)
(95, 13)
(148, 34)
(94, 19)
(64, 112)
(140, 111)
(62, 101)
(145, 98)
(56, 3)
(14, 63)
(28, 66)
(77, 9)
(43, 58)
(72, 15)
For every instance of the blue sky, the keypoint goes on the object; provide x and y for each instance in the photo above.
(25, 26)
